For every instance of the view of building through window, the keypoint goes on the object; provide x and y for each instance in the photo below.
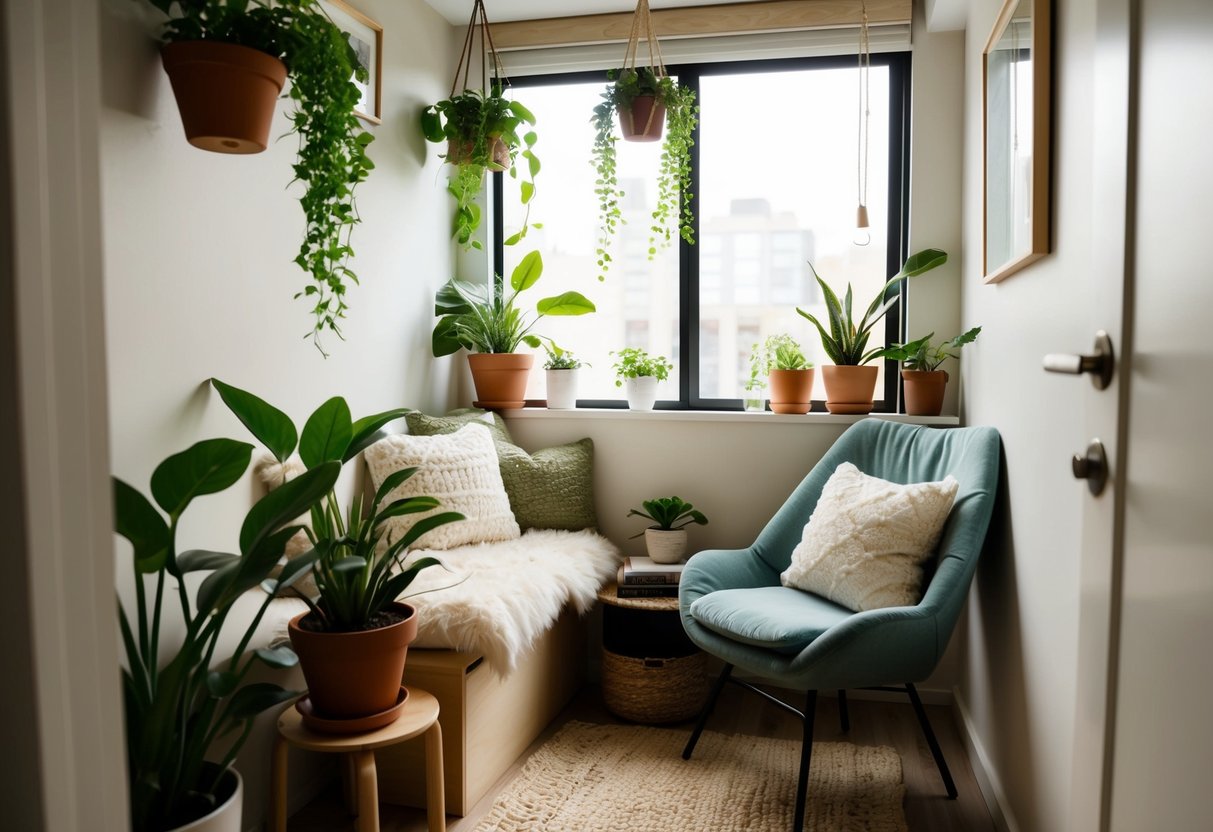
(776, 190)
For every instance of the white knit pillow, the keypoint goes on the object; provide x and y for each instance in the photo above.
(866, 542)
(460, 470)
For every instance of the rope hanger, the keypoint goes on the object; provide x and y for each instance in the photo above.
(466, 55)
(642, 25)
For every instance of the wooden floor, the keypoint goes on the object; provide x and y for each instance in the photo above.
(872, 723)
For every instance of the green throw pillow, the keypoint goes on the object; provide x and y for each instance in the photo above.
(550, 489)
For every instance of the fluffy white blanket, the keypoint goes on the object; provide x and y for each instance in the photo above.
(497, 598)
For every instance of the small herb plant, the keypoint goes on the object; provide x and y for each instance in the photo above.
(777, 352)
(674, 176)
(921, 355)
(483, 132)
(846, 341)
(332, 157)
(668, 514)
(472, 316)
(636, 363)
(561, 359)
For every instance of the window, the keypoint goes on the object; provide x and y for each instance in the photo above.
(775, 167)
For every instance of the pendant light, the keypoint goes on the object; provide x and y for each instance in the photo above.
(863, 235)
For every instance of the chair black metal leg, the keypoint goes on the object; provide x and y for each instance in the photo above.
(806, 755)
(936, 751)
(844, 718)
(707, 710)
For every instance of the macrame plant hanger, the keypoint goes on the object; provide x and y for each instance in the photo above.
(642, 26)
(478, 32)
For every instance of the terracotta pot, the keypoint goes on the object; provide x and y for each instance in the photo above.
(849, 389)
(924, 391)
(460, 153)
(501, 378)
(226, 816)
(791, 390)
(226, 94)
(665, 545)
(644, 121)
(353, 675)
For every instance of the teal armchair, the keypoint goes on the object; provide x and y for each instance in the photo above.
(733, 606)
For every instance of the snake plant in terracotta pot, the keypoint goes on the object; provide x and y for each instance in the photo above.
(850, 385)
(924, 382)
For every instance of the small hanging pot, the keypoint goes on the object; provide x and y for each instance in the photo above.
(644, 121)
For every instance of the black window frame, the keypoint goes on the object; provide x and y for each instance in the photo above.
(897, 219)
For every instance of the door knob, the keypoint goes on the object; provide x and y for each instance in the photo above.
(1099, 366)
(1092, 466)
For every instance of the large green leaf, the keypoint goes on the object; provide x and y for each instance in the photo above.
(456, 297)
(923, 261)
(327, 433)
(393, 481)
(287, 502)
(408, 505)
(365, 430)
(527, 272)
(446, 340)
(295, 569)
(271, 427)
(206, 467)
(569, 303)
(199, 560)
(216, 585)
(431, 125)
(137, 520)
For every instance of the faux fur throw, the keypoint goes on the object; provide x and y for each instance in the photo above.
(500, 597)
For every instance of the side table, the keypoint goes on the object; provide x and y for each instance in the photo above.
(651, 671)
(419, 716)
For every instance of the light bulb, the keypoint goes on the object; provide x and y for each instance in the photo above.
(862, 235)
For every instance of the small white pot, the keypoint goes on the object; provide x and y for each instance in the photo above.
(562, 389)
(641, 392)
(666, 545)
(226, 817)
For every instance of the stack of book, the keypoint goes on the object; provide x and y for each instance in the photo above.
(640, 577)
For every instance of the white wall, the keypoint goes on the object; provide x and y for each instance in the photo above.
(1019, 682)
(200, 278)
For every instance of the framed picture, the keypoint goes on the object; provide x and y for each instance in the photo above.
(366, 36)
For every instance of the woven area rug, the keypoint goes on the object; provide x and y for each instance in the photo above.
(633, 779)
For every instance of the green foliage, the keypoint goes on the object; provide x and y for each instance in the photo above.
(474, 317)
(475, 125)
(561, 359)
(846, 341)
(668, 514)
(921, 355)
(674, 170)
(176, 711)
(332, 157)
(777, 352)
(634, 363)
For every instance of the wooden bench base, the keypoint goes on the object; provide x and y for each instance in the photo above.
(487, 722)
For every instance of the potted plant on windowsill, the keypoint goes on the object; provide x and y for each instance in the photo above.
(790, 374)
(666, 539)
(227, 61)
(561, 372)
(639, 373)
(850, 385)
(492, 327)
(924, 381)
(353, 641)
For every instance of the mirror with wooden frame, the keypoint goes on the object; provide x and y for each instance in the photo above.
(1015, 134)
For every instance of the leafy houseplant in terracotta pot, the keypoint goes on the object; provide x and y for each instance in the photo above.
(492, 327)
(561, 370)
(213, 50)
(178, 699)
(666, 539)
(639, 373)
(789, 372)
(850, 385)
(924, 381)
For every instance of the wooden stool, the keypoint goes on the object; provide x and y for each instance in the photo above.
(420, 716)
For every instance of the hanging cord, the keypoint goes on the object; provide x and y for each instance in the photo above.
(642, 25)
(488, 51)
(865, 72)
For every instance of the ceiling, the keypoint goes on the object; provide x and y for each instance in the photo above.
(501, 11)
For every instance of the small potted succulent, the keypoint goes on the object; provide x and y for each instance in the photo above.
(850, 386)
(666, 539)
(639, 373)
(492, 327)
(790, 374)
(924, 381)
(561, 369)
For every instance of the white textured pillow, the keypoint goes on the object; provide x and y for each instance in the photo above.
(460, 470)
(866, 542)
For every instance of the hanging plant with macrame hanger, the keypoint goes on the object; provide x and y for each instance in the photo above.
(483, 131)
(644, 99)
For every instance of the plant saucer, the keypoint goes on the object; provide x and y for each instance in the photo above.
(356, 725)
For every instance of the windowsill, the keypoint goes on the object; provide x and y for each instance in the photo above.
(766, 418)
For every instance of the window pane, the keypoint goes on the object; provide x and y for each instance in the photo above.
(638, 301)
(773, 199)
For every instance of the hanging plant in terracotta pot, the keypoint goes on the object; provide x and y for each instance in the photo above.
(482, 130)
(924, 382)
(485, 321)
(643, 99)
(789, 373)
(851, 386)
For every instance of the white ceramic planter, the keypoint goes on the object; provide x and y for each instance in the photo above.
(226, 817)
(641, 392)
(562, 389)
(666, 546)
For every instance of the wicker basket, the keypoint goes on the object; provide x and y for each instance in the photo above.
(654, 690)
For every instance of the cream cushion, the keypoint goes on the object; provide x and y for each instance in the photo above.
(868, 538)
(460, 470)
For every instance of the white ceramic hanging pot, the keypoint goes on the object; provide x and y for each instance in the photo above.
(562, 389)
(666, 545)
(641, 392)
